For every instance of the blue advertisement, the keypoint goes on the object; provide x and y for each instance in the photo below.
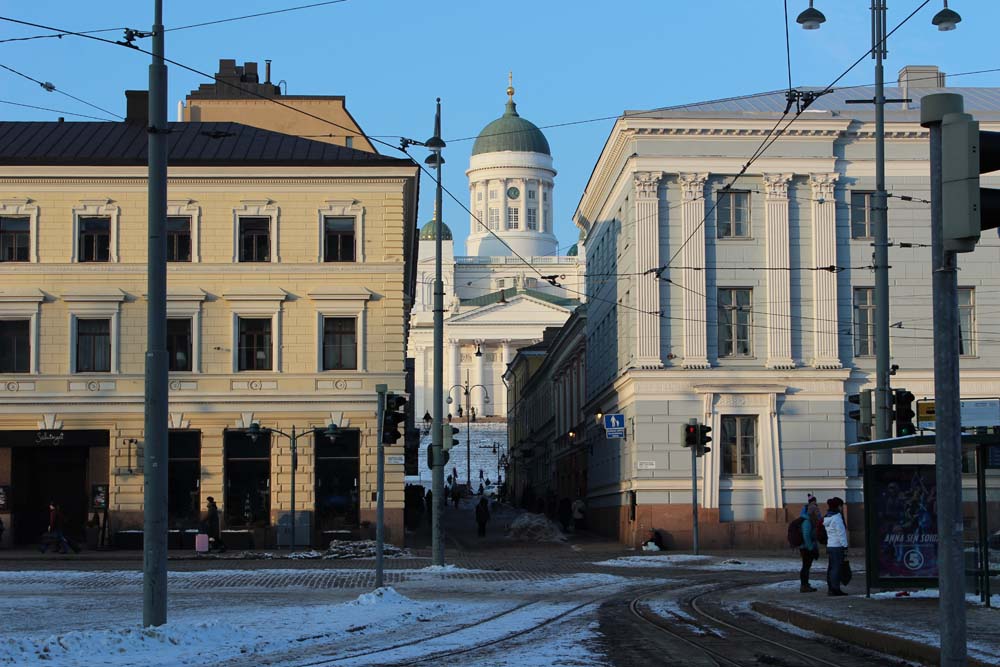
(906, 521)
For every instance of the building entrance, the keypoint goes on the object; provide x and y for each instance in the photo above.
(338, 472)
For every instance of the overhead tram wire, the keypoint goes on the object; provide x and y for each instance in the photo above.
(50, 87)
(67, 113)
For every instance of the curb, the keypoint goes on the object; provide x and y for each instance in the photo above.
(880, 642)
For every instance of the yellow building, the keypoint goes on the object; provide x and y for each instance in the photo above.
(290, 281)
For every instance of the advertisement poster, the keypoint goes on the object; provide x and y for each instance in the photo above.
(99, 496)
(905, 521)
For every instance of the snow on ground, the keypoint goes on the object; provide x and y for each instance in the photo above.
(671, 610)
(705, 562)
(971, 598)
(535, 528)
(210, 625)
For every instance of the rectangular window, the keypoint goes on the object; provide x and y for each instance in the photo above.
(864, 321)
(967, 321)
(479, 196)
(861, 215)
(545, 195)
(340, 344)
(179, 344)
(183, 479)
(15, 346)
(493, 194)
(254, 351)
(93, 346)
(531, 194)
(480, 220)
(95, 239)
(178, 239)
(349, 142)
(248, 479)
(734, 323)
(733, 214)
(338, 239)
(531, 283)
(14, 238)
(513, 217)
(532, 218)
(255, 239)
(494, 222)
(739, 444)
(501, 283)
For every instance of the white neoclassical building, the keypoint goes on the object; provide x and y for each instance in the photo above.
(495, 303)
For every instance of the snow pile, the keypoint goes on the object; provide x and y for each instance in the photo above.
(305, 555)
(535, 528)
(362, 549)
(384, 595)
(656, 561)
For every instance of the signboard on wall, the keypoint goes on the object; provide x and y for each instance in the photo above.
(903, 539)
(99, 496)
(614, 426)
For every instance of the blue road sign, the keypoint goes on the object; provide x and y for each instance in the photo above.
(614, 426)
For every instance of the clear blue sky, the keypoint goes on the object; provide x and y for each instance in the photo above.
(572, 61)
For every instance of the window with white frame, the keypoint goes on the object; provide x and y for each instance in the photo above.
(340, 344)
(861, 215)
(479, 196)
(93, 345)
(179, 344)
(341, 318)
(256, 328)
(967, 321)
(532, 218)
(864, 322)
(178, 239)
(95, 329)
(735, 322)
(513, 217)
(341, 231)
(255, 232)
(184, 329)
(18, 230)
(254, 344)
(15, 346)
(738, 439)
(493, 194)
(95, 231)
(494, 220)
(732, 212)
(531, 194)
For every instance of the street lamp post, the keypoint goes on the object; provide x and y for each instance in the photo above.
(466, 391)
(256, 430)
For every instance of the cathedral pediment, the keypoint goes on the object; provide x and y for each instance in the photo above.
(518, 309)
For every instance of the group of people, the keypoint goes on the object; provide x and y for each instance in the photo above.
(830, 530)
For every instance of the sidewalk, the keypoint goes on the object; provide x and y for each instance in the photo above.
(906, 627)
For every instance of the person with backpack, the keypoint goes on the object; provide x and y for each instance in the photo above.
(836, 544)
(809, 550)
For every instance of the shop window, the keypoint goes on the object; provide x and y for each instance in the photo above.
(337, 475)
(93, 346)
(15, 237)
(178, 239)
(183, 479)
(340, 344)
(255, 239)
(248, 480)
(179, 343)
(95, 239)
(15, 346)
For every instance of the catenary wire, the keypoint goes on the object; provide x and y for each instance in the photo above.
(52, 88)
(68, 113)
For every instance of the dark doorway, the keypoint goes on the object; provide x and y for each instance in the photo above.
(248, 480)
(338, 471)
(40, 475)
(183, 479)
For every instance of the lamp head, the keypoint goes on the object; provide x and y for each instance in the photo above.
(811, 18)
(254, 431)
(946, 19)
(331, 430)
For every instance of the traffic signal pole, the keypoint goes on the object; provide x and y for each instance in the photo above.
(380, 389)
(947, 396)
(694, 493)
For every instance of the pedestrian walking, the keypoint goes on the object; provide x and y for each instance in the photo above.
(55, 535)
(579, 514)
(565, 513)
(456, 495)
(214, 527)
(809, 549)
(429, 502)
(482, 516)
(836, 544)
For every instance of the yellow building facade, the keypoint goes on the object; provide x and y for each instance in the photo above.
(289, 287)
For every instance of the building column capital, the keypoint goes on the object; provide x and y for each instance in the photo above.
(823, 185)
(776, 185)
(692, 185)
(647, 183)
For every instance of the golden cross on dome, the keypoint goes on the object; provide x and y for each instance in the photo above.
(510, 86)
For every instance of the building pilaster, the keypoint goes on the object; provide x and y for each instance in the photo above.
(777, 244)
(693, 255)
(824, 253)
(647, 256)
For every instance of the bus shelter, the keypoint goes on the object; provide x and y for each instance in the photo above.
(901, 536)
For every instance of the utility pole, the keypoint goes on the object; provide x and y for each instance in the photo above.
(694, 491)
(381, 390)
(154, 557)
(294, 445)
(947, 397)
(436, 145)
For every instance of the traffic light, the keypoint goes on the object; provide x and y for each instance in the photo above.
(902, 403)
(448, 439)
(430, 457)
(704, 439)
(863, 415)
(965, 154)
(690, 435)
(392, 416)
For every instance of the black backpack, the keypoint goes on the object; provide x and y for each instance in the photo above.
(795, 532)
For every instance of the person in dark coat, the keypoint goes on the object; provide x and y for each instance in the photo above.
(565, 513)
(482, 516)
(55, 535)
(214, 528)
(456, 495)
(809, 551)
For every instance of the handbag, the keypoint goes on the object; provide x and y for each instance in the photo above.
(845, 572)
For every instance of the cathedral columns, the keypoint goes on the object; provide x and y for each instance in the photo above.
(695, 354)
(824, 253)
(454, 372)
(478, 397)
(777, 243)
(647, 256)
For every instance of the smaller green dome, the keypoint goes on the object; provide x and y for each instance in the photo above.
(573, 251)
(427, 232)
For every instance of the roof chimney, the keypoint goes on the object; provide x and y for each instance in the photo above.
(914, 77)
(137, 106)
(267, 71)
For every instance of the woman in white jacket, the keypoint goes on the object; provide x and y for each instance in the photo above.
(836, 544)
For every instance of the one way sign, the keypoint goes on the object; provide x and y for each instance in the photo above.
(614, 426)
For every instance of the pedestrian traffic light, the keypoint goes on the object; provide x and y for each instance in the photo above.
(430, 457)
(690, 435)
(448, 439)
(902, 403)
(704, 439)
(965, 154)
(392, 416)
(863, 415)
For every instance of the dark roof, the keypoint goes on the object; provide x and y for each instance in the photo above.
(494, 297)
(222, 144)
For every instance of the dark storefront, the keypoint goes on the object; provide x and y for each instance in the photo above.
(338, 469)
(183, 480)
(61, 467)
(248, 480)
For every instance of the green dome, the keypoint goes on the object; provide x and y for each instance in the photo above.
(510, 132)
(573, 251)
(427, 232)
